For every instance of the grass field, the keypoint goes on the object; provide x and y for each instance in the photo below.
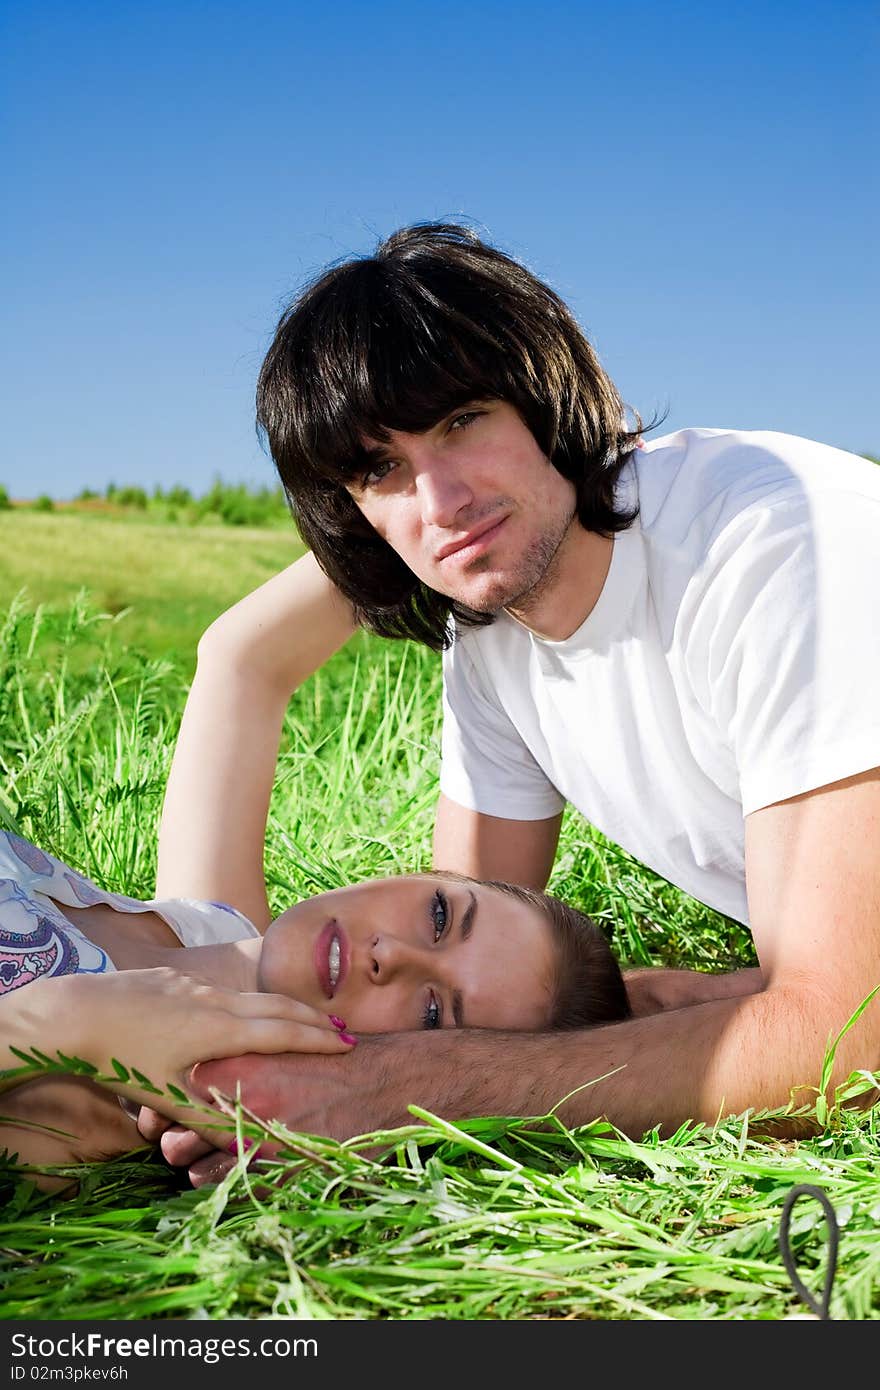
(164, 584)
(488, 1219)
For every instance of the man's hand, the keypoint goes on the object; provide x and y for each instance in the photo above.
(354, 1094)
(367, 1092)
(183, 1148)
(336, 1103)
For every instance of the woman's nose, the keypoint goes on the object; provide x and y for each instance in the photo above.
(389, 957)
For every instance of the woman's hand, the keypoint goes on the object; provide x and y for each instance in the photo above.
(161, 1022)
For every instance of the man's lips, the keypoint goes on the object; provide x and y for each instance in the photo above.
(332, 944)
(473, 542)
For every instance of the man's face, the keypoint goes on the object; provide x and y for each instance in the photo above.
(472, 505)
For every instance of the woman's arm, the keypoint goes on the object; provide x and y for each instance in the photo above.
(40, 1015)
(250, 661)
(65, 1120)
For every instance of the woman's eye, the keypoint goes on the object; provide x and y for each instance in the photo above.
(439, 914)
(431, 1017)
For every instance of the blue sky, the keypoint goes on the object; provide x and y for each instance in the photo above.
(698, 181)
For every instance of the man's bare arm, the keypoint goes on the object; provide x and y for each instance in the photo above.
(653, 989)
(515, 851)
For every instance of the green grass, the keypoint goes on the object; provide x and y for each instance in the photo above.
(490, 1218)
(164, 583)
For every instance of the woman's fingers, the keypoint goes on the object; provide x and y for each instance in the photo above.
(240, 1035)
(159, 1023)
(254, 1004)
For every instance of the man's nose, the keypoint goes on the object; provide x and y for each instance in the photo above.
(442, 490)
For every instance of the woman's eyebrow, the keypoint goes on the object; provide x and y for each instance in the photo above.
(465, 927)
(467, 920)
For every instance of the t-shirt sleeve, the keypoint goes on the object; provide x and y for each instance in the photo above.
(783, 643)
(485, 764)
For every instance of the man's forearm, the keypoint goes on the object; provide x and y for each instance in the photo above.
(699, 1063)
(758, 1051)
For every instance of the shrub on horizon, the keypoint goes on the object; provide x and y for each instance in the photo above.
(178, 496)
(131, 496)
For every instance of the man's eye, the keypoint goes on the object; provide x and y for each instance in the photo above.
(439, 914)
(462, 421)
(377, 473)
(431, 1017)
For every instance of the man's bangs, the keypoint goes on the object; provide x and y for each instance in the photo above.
(405, 379)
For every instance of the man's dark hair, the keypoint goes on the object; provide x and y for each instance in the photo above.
(434, 319)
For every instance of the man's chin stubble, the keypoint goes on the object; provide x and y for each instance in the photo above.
(521, 596)
(536, 578)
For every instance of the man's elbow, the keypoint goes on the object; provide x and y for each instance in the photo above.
(843, 1018)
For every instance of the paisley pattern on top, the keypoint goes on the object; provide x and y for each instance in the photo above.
(38, 939)
(87, 893)
(25, 956)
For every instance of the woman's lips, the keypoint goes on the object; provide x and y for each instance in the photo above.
(332, 956)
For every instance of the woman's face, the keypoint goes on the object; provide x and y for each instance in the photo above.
(420, 951)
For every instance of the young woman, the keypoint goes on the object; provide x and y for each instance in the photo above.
(201, 971)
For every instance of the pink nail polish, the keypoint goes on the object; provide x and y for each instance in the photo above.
(348, 1038)
(337, 1022)
(233, 1148)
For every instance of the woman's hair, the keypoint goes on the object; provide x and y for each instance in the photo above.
(587, 984)
(435, 319)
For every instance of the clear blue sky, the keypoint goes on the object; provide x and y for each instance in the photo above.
(699, 181)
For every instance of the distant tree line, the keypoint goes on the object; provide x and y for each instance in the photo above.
(229, 504)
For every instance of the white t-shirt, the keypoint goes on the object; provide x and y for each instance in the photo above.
(731, 661)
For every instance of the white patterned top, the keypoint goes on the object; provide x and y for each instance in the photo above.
(37, 939)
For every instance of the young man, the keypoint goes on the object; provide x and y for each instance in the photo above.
(675, 635)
